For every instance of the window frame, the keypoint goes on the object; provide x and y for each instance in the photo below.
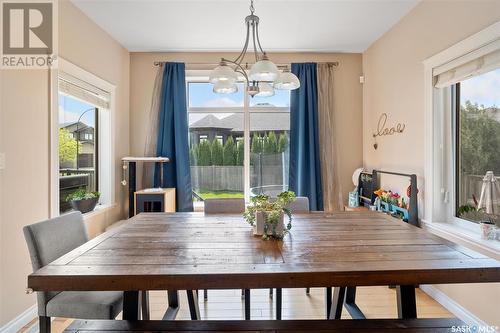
(104, 138)
(201, 76)
(440, 188)
(455, 95)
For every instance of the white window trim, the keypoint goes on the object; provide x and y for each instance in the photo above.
(106, 167)
(202, 77)
(439, 215)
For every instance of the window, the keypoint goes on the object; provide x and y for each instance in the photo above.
(269, 153)
(477, 147)
(216, 161)
(219, 138)
(83, 151)
(77, 149)
(466, 71)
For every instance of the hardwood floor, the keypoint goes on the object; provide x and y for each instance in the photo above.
(376, 302)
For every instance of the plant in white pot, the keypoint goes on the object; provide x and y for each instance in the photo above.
(267, 215)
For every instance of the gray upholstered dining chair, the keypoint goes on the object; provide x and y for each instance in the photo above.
(49, 240)
(299, 205)
(225, 206)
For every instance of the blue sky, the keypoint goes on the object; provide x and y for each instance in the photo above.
(483, 89)
(201, 95)
(70, 109)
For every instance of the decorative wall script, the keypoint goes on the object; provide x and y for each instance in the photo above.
(383, 130)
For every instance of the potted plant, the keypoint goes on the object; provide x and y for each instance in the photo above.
(266, 215)
(83, 201)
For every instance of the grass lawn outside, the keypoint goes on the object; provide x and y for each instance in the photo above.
(219, 194)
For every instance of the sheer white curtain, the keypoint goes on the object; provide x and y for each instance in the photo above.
(330, 175)
(152, 129)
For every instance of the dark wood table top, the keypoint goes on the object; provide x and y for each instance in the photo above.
(180, 251)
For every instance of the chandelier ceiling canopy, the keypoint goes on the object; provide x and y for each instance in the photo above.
(264, 76)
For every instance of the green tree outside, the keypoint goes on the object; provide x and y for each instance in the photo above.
(229, 152)
(240, 155)
(193, 155)
(204, 154)
(68, 147)
(283, 143)
(256, 144)
(479, 140)
(270, 143)
(217, 153)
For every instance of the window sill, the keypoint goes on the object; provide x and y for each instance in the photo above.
(99, 210)
(466, 236)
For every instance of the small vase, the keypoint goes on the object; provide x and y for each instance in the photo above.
(260, 223)
(488, 231)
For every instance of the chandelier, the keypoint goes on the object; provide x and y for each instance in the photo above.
(264, 76)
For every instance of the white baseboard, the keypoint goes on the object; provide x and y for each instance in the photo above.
(22, 320)
(449, 304)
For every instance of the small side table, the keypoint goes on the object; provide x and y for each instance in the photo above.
(155, 201)
(130, 164)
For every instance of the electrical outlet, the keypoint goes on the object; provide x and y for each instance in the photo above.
(2, 161)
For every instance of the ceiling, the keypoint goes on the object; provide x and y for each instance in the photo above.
(218, 25)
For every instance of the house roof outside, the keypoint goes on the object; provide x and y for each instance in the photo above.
(260, 122)
(81, 126)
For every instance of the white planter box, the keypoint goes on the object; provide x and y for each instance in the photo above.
(260, 221)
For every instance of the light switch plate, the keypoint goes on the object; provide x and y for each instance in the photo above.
(2, 161)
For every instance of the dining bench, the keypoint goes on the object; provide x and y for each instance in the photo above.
(270, 326)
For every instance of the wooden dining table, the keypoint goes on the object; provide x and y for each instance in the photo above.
(191, 251)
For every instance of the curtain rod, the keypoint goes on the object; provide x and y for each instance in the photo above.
(160, 63)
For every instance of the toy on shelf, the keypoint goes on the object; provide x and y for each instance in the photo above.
(370, 196)
(391, 203)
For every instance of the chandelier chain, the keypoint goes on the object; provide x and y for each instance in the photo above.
(264, 76)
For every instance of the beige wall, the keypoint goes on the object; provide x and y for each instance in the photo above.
(395, 84)
(24, 181)
(348, 99)
(24, 137)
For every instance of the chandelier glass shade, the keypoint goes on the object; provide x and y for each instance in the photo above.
(223, 73)
(265, 90)
(225, 87)
(264, 70)
(263, 77)
(287, 81)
